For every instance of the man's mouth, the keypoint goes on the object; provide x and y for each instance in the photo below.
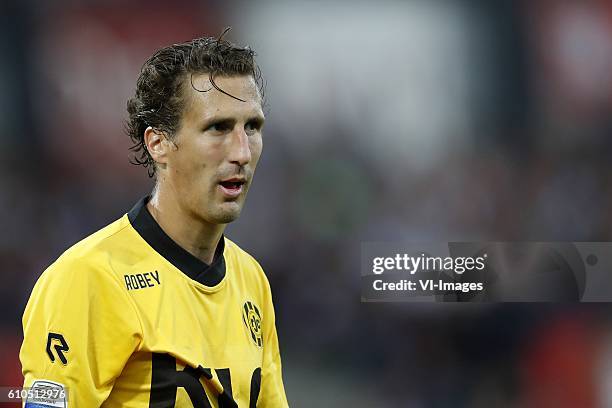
(232, 187)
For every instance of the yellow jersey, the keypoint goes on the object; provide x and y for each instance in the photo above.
(128, 318)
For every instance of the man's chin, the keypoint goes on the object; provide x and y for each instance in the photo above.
(226, 219)
(228, 213)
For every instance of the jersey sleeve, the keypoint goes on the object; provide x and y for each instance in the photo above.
(79, 328)
(272, 392)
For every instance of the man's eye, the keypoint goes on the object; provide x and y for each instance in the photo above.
(219, 127)
(252, 127)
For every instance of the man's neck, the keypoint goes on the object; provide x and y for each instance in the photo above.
(194, 235)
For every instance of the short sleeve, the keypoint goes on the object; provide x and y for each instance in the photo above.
(79, 328)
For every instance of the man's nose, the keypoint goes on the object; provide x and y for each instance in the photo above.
(240, 151)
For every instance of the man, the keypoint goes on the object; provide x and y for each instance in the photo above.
(159, 309)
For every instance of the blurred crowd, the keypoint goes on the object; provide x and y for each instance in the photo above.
(394, 121)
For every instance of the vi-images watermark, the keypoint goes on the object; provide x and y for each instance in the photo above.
(487, 272)
(426, 264)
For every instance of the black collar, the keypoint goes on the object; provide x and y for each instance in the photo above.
(144, 223)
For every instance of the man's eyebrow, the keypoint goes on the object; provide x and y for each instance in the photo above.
(219, 119)
(230, 119)
(258, 118)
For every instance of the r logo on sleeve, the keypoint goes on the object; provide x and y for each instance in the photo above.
(60, 346)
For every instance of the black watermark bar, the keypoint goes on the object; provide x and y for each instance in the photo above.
(486, 272)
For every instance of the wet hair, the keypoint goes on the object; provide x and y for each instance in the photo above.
(159, 100)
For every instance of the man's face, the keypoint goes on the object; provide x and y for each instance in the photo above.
(218, 147)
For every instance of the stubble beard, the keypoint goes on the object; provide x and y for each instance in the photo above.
(226, 212)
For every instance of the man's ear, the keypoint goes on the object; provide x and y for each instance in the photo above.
(157, 144)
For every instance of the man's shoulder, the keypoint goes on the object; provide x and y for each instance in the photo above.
(92, 252)
(234, 249)
(245, 260)
(108, 236)
(240, 254)
(82, 276)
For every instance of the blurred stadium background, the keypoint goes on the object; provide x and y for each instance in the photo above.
(429, 121)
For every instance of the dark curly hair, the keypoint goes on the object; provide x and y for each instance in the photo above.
(159, 101)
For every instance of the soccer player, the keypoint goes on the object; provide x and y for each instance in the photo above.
(159, 308)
